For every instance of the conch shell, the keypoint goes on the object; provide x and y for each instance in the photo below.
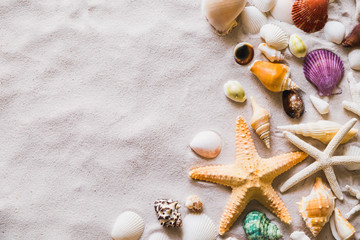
(260, 122)
(258, 226)
(222, 14)
(353, 39)
(274, 76)
(322, 130)
(271, 53)
(340, 227)
(317, 207)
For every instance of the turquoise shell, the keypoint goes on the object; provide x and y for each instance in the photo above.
(258, 227)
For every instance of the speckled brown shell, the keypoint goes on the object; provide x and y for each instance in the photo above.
(310, 15)
(293, 103)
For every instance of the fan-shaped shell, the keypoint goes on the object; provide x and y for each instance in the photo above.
(334, 31)
(260, 122)
(282, 11)
(324, 69)
(207, 144)
(128, 226)
(199, 226)
(252, 19)
(274, 36)
(159, 236)
(258, 226)
(353, 39)
(263, 5)
(352, 150)
(310, 15)
(340, 227)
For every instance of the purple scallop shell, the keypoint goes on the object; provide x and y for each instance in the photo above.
(324, 69)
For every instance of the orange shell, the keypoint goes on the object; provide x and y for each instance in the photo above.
(310, 15)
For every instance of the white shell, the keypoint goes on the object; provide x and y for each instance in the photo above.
(199, 226)
(207, 144)
(271, 53)
(297, 46)
(274, 36)
(297, 235)
(340, 227)
(128, 226)
(320, 105)
(234, 91)
(354, 88)
(263, 5)
(252, 19)
(282, 11)
(159, 236)
(354, 59)
(334, 31)
(352, 150)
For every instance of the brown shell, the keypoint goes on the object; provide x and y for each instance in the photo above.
(353, 39)
(243, 53)
(310, 15)
(293, 103)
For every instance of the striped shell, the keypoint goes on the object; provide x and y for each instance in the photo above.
(199, 226)
(340, 227)
(252, 19)
(310, 15)
(128, 226)
(263, 5)
(258, 227)
(274, 36)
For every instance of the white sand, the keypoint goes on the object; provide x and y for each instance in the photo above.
(99, 100)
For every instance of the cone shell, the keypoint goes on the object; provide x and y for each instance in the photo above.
(297, 46)
(352, 150)
(252, 19)
(310, 15)
(221, 14)
(263, 5)
(282, 11)
(322, 130)
(199, 226)
(353, 39)
(274, 76)
(207, 144)
(271, 53)
(258, 226)
(274, 36)
(128, 226)
(324, 69)
(260, 122)
(340, 227)
(159, 236)
(317, 207)
(320, 105)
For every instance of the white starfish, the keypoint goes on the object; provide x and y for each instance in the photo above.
(355, 193)
(324, 160)
(353, 106)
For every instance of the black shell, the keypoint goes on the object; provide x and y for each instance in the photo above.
(243, 53)
(293, 104)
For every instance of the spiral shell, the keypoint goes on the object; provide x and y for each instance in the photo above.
(167, 212)
(274, 36)
(260, 122)
(258, 227)
(297, 46)
(252, 19)
(263, 5)
(128, 226)
(353, 39)
(199, 226)
(340, 227)
(271, 53)
(309, 15)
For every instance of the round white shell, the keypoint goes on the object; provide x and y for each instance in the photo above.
(320, 105)
(159, 236)
(128, 226)
(207, 144)
(298, 235)
(274, 36)
(252, 19)
(199, 226)
(352, 150)
(263, 5)
(334, 31)
(354, 59)
(282, 11)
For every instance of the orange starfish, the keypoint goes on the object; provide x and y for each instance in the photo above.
(250, 178)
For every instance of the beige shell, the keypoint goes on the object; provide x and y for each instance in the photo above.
(320, 105)
(252, 19)
(222, 14)
(317, 207)
(354, 59)
(354, 87)
(194, 203)
(207, 144)
(271, 53)
(128, 225)
(322, 130)
(274, 36)
(340, 227)
(260, 122)
(297, 46)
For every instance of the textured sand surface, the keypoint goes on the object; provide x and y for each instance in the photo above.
(100, 99)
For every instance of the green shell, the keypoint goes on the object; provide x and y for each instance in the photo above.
(258, 227)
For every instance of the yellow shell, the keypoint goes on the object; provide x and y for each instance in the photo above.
(260, 122)
(297, 46)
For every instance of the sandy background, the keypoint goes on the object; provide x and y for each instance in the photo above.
(100, 99)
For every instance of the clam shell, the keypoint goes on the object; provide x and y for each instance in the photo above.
(297, 46)
(199, 226)
(354, 59)
(243, 53)
(353, 39)
(258, 226)
(324, 69)
(263, 5)
(207, 144)
(352, 150)
(271, 53)
(297, 235)
(128, 226)
(320, 105)
(293, 104)
(252, 19)
(334, 31)
(340, 227)
(282, 11)
(274, 36)
(260, 122)
(159, 236)
(309, 15)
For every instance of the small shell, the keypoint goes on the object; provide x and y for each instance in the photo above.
(194, 203)
(354, 88)
(310, 15)
(274, 76)
(207, 144)
(199, 226)
(352, 150)
(322, 130)
(334, 31)
(271, 53)
(282, 11)
(260, 122)
(167, 212)
(243, 53)
(293, 103)
(258, 226)
(128, 226)
(353, 39)
(274, 36)
(252, 19)
(320, 105)
(340, 227)
(234, 91)
(354, 59)
(297, 46)
(159, 236)
(222, 14)
(317, 207)
(297, 235)
(263, 5)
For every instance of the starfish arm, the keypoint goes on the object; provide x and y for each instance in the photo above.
(337, 160)
(245, 148)
(334, 185)
(352, 107)
(312, 151)
(352, 211)
(304, 173)
(353, 192)
(339, 136)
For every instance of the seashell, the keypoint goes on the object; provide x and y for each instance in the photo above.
(258, 226)
(194, 203)
(252, 19)
(353, 39)
(231, 238)
(263, 5)
(309, 15)
(199, 226)
(260, 122)
(324, 69)
(357, 10)
(274, 36)
(222, 14)
(297, 46)
(167, 212)
(352, 150)
(340, 227)
(128, 226)
(297, 235)
(282, 11)
(293, 104)
(320, 105)
(354, 87)
(207, 144)
(234, 91)
(243, 53)
(159, 236)
(322, 130)
(274, 76)
(354, 59)
(334, 31)
(317, 207)
(271, 53)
